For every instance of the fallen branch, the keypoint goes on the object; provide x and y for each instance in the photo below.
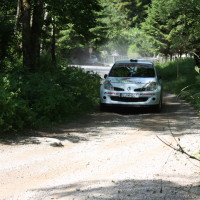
(178, 147)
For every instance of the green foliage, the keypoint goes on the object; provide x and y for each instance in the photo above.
(186, 84)
(120, 17)
(67, 40)
(137, 11)
(141, 45)
(133, 51)
(155, 25)
(114, 16)
(7, 37)
(14, 113)
(184, 67)
(74, 22)
(43, 98)
(174, 26)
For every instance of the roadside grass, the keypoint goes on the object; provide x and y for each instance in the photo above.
(45, 98)
(181, 78)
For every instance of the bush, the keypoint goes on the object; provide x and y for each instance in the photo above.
(186, 84)
(180, 68)
(43, 98)
(14, 113)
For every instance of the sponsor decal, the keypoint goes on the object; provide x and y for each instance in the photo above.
(111, 93)
(133, 65)
(129, 94)
(128, 80)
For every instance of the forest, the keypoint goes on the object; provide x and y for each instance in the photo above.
(39, 39)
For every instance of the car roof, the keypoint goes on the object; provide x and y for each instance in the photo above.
(133, 61)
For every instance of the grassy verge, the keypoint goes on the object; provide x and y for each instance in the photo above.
(181, 78)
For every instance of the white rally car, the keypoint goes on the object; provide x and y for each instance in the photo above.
(132, 83)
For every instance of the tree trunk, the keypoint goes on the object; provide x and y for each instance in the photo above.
(37, 23)
(18, 15)
(53, 42)
(31, 31)
(170, 56)
(26, 32)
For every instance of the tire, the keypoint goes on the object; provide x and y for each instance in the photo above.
(102, 107)
(158, 107)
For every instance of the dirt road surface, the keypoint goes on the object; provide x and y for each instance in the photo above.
(113, 155)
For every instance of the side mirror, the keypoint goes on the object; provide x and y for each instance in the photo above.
(159, 77)
(105, 76)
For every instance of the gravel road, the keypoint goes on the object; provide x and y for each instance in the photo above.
(114, 155)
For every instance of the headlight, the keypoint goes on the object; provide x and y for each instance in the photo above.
(151, 86)
(108, 85)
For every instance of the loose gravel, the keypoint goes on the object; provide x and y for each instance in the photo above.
(113, 155)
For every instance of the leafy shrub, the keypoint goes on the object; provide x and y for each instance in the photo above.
(187, 84)
(14, 112)
(44, 98)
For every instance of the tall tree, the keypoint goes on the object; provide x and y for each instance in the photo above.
(185, 26)
(174, 25)
(120, 16)
(116, 23)
(31, 16)
(155, 25)
(72, 22)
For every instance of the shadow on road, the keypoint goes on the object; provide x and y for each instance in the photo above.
(176, 115)
(123, 190)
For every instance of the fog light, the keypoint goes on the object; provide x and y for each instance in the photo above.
(154, 99)
(104, 97)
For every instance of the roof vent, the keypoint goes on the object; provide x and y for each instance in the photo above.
(132, 60)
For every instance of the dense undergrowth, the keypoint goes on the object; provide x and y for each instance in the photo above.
(181, 78)
(33, 100)
(56, 94)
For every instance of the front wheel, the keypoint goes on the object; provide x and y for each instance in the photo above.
(158, 107)
(102, 107)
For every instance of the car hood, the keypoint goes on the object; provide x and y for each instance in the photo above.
(134, 82)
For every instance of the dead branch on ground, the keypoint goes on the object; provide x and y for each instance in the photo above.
(178, 146)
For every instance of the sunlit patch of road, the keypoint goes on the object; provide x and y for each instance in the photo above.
(101, 70)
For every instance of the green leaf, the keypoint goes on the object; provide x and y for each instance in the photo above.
(197, 69)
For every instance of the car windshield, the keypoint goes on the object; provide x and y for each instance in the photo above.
(132, 70)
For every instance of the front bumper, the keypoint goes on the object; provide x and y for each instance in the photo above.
(134, 99)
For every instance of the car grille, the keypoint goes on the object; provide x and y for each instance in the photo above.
(118, 89)
(127, 99)
(140, 89)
